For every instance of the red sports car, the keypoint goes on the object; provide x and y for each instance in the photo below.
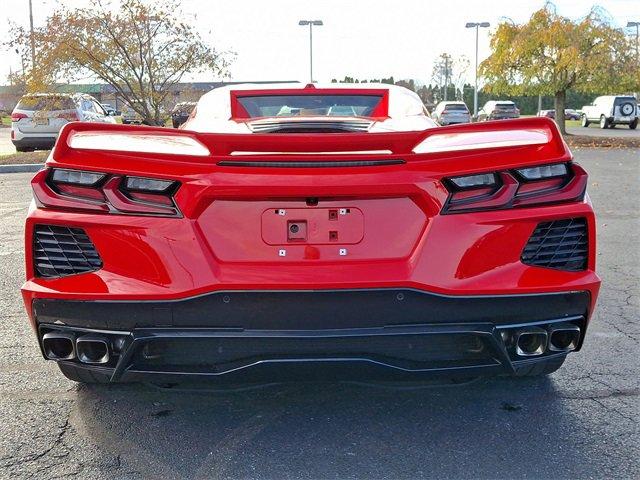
(310, 232)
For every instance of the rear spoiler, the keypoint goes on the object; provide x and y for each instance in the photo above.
(535, 140)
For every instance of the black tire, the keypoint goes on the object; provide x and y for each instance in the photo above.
(536, 369)
(633, 124)
(21, 148)
(585, 121)
(604, 122)
(81, 375)
(125, 122)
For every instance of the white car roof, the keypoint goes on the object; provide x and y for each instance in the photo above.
(402, 101)
(214, 107)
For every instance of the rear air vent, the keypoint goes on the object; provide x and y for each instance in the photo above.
(309, 164)
(309, 125)
(561, 244)
(60, 251)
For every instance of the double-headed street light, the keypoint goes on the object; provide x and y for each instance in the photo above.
(476, 25)
(311, 23)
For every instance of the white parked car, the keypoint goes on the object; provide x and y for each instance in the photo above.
(612, 110)
(38, 118)
(448, 113)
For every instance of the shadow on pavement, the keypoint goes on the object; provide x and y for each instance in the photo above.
(500, 427)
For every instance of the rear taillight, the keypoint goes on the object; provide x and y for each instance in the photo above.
(69, 116)
(106, 193)
(17, 116)
(556, 183)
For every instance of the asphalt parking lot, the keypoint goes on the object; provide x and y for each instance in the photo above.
(594, 130)
(581, 422)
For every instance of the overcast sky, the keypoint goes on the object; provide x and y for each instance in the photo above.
(363, 39)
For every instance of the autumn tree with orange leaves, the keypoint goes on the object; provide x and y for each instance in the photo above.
(140, 48)
(551, 54)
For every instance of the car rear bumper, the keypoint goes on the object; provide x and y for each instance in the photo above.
(453, 120)
(34, 141)
(623, 120)
(265, 336)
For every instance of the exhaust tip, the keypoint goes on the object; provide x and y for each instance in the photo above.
(92, 349)
(563, 337)
(58, 346)
(531, 341)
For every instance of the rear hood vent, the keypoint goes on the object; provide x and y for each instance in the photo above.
(310, 124)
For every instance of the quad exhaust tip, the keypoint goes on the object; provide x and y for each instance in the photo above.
(92, 349)
(563, 337)
(59, 345)
(530, 342)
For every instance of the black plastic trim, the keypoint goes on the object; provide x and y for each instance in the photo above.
(311, 309)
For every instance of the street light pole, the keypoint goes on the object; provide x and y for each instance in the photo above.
(476, 25)
(637, 25)
(311, 23)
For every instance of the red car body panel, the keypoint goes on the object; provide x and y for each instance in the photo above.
(230, 234)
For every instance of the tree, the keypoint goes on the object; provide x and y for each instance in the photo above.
(449, 73)
(552, 54)
(140, 47)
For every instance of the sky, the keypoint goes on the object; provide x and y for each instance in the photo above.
(362, 39)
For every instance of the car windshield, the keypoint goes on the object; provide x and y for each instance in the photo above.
(39, 103)
(310, 105)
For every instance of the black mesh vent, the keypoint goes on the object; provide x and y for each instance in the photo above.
(561, 244)
(59, 251)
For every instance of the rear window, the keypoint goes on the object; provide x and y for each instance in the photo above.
(505, 105)
(457, 107)
(45, 103)
(310, 105)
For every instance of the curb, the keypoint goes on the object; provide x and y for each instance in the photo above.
(19, 168)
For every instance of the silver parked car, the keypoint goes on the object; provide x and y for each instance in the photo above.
(448, 113)
(38, 118)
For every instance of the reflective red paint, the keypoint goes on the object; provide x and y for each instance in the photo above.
(219, 242)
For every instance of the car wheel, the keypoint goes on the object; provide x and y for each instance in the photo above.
(546, 367)
(633, 124)
(585, 121)
(604, 123)
(20, 148)
(81, 375)
(627, 109)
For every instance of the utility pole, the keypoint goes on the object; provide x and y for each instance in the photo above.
(476, 25)
(539, 103)
(33, 40)
(446, 75)
(311, 23)
(24, 72)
